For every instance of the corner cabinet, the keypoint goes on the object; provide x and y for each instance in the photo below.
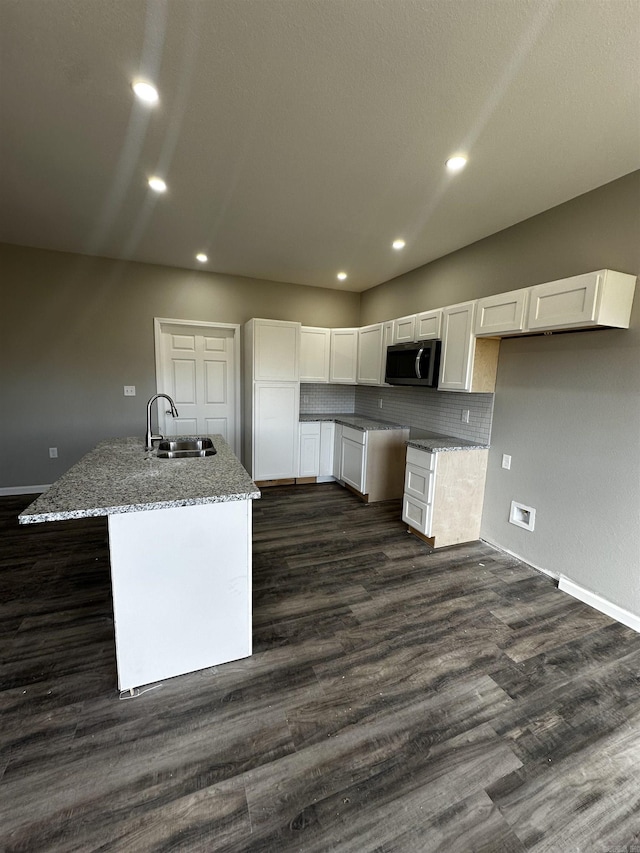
(315, 344)
(466, 363)
(271, 400)
(372, 462)
(344, 356)
(443, 495)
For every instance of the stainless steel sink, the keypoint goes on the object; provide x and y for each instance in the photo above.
(185, 448)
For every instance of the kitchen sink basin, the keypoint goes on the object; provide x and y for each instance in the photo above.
(185, 448)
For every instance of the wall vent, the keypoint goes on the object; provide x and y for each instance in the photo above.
(522, 516)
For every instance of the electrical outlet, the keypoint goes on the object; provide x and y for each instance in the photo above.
(465, 416)
(53, 453)
(506, 461)
(379, 402)
(129, 390)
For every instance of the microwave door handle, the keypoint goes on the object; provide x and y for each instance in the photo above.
(418, 357)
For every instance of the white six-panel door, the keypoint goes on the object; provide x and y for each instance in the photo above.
(198, 369)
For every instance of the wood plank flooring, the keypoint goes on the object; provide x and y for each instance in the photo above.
(398, 699)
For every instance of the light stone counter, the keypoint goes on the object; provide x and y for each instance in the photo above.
(120, 476)
(360, 422)
(436, 443)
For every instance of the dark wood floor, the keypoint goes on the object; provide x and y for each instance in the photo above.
(399, 699)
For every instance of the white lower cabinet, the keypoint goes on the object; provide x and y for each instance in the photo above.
(309, 450)
(327, 430)
(444, 493)
(316, 440)
(354, 455)
(372, 462)
(337, 451)
(275, 430)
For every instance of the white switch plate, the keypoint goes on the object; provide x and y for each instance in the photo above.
(465, 416)
(53, 453)
(129, 390)
(506, 461)
(380, 402)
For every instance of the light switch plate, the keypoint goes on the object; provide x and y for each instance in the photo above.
(129, 390)
(506, 461)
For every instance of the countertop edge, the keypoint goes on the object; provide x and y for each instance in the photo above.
(100, 511)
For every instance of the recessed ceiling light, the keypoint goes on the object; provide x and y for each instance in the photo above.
(398, 244)
(454, 164)
(342, 276)
(157, 185)
(145, 92)
(202, 257)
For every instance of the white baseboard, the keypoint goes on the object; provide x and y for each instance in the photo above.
(23, 490)
(522, 559)
(631, 620)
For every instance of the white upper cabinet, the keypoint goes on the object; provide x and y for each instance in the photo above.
(344, 356)
(404, 330)
(276, 349)
(428, 325)
(601, 298)
(503, 313)
(371, 356)
(456, 361)
(315, 346)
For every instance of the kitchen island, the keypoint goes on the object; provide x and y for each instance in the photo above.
(180, 552)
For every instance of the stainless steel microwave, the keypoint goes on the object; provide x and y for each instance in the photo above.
(413, 364)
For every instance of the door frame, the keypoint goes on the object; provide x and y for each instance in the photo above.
(159, 324)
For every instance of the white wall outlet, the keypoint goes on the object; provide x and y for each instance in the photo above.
(129, 390)
(53, 453)
(305, 398)
(465, 416)
(379, 402)
(506, 461)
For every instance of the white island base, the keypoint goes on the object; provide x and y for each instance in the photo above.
(181, 581)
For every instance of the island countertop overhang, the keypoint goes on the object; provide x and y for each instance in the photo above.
(119, 476)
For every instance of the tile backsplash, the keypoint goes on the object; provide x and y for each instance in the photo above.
(325, 399)
(419, 408)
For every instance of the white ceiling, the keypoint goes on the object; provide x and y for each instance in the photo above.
(300, 137)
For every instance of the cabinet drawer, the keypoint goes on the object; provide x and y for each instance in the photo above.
(417, 514)
(421, 458)
(356, 435)
(418, 483)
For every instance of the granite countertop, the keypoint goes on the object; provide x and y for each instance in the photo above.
(356, 421)
(120, 476)
(435, 442)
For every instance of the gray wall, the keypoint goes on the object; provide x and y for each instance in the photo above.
(567, 407)
(74, 330)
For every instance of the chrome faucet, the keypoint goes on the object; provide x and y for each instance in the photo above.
(150, 437)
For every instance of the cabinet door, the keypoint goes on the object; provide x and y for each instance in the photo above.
(417, 514)
(327, 432)
(353, 465)
(370, 366)
(404, 329)
(314, 354)
(275, 430)
(502, 313)
(337, 452)
(309, 450)
(344, 355)
(564, 303)
(276, 350)
(428, 325)
(456, 362)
